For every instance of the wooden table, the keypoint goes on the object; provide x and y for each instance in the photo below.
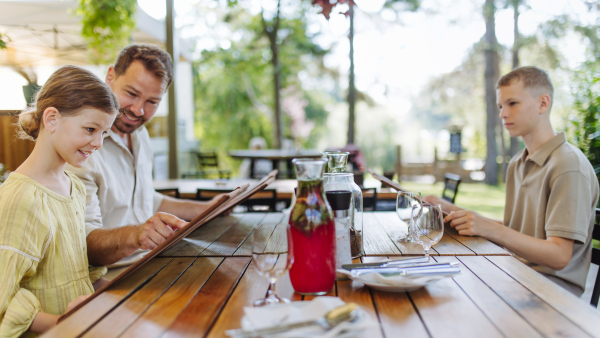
(285, 188)
(199, 288)
(275, 155)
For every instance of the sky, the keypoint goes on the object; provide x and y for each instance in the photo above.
(394, 57)
(393, 61)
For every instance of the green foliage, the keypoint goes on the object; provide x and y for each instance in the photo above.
(234, 86)
(586, 91)
(482, 198)
(3, 40)
(107, 26)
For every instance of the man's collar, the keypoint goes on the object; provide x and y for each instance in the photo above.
(540, 156)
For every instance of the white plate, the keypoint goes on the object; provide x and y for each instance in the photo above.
(393, 284)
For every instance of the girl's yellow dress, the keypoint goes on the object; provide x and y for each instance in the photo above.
(43, 252)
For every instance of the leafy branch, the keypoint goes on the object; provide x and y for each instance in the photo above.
(3, 40)
(586, 91)
(107, 26)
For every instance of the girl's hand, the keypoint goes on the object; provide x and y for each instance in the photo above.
(75, 302)
(100, 283)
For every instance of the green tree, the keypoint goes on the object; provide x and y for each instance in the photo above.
(326, 8)
(3, 40)
(107, 26)
(492, 64)
(235, 85)
(586, 90)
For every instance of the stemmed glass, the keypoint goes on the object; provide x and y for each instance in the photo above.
(427, 225)
(271, 257)
(405, 201)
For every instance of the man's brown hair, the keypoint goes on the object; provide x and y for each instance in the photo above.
(69, 90)
(152, 57)
(533, 78)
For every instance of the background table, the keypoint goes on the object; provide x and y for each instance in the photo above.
(199, 287)
(275, 155)
(285, 188)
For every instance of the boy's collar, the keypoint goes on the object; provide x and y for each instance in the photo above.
(540, 156)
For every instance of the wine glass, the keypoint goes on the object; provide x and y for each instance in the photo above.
(271, 257)
(427, 225)
(404, 206)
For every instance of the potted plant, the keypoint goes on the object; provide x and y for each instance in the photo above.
(32, 87)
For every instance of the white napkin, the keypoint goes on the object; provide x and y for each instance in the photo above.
(278, 314)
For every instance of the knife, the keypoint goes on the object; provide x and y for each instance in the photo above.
(397, 262)
(407, 269)
(334, 317)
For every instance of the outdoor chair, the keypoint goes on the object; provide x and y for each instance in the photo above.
(174, 192)
(263, 201)
(208, 167)
(369, 203)
(596, 260)
(451, 182)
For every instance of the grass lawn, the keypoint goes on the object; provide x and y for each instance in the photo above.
(482, 198)
(479, 197)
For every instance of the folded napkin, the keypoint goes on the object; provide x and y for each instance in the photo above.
(278, 314)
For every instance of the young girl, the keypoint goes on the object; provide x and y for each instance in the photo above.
(43, 253)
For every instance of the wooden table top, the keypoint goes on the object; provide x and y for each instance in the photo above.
(199, 288)
(274, 154)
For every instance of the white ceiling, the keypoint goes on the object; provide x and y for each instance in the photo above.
(44, 32)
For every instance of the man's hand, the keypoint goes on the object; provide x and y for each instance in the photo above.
(157, 229)
(468, 223)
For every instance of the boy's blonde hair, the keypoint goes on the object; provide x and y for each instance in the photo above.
(534, 79)
(69, 89)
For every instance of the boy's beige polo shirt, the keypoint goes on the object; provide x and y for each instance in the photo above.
(554, 194)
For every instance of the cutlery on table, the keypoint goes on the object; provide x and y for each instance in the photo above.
(336, 316)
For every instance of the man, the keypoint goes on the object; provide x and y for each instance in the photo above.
(551, 188)
(123, 212)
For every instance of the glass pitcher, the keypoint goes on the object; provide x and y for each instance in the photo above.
(338, 179)
(312, 231)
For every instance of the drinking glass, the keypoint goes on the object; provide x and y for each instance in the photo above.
(427, 225)
(405, 201)
(271, 257)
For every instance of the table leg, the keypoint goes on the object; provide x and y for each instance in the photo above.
(290, 168)
(276, 166)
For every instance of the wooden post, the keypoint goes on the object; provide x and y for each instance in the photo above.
(399, 161)
(351, 87)
(172, 117)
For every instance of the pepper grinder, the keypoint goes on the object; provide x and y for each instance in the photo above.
(340, 204)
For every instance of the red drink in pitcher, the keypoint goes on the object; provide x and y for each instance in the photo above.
(312, 232)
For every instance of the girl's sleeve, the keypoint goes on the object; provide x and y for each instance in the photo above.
(96, 272)
(18, 307)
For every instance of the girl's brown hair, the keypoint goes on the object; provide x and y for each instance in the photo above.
(69, 89)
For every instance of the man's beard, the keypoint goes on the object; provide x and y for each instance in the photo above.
(126, 127)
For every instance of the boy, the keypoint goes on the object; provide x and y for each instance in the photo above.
(551, 188)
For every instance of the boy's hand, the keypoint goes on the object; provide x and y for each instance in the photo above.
(468, 223)
(446, 206)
